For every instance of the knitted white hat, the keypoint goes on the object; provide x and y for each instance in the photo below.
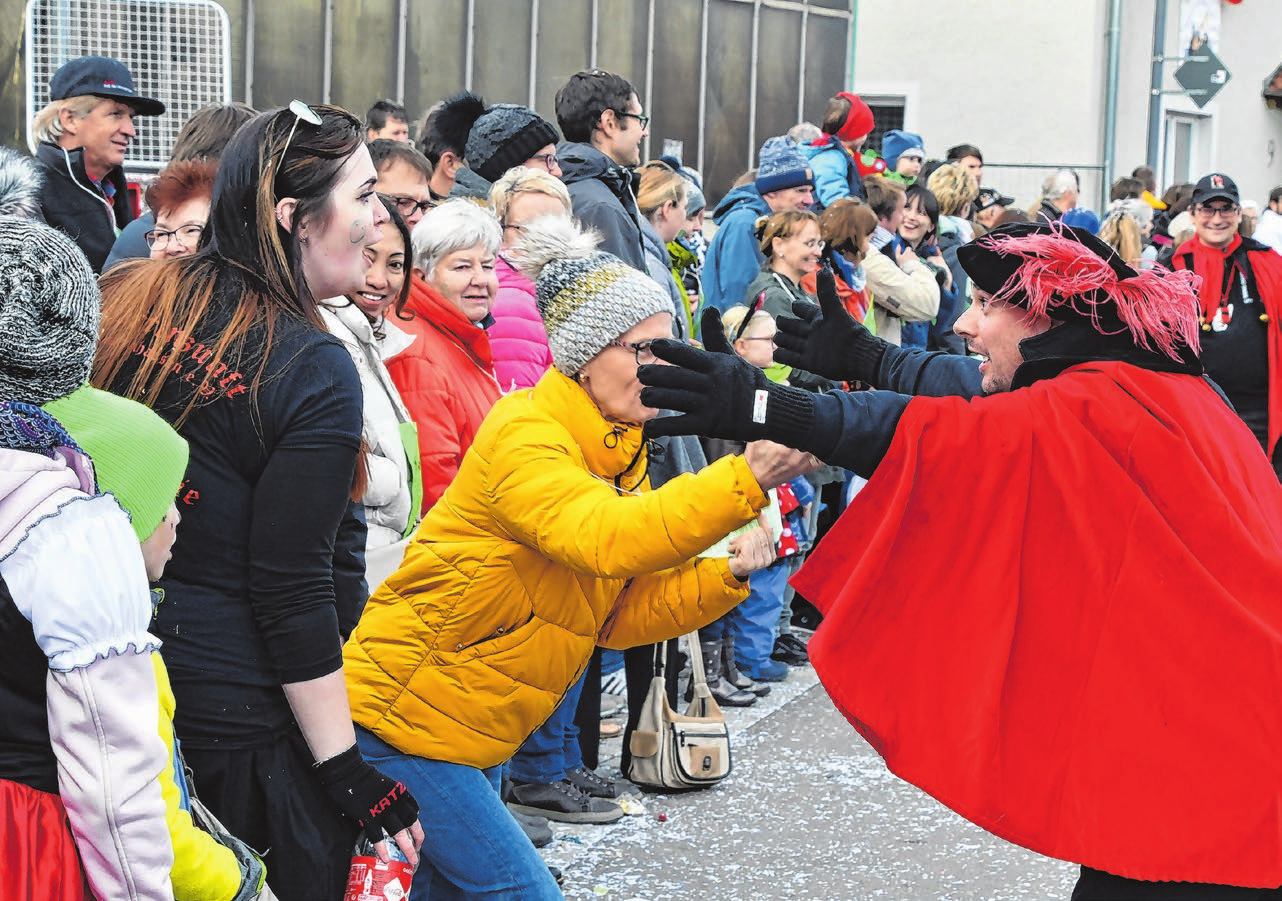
(587, 298)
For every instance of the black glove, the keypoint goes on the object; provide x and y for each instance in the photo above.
(367, 796)
(826, 340)
(721, 394)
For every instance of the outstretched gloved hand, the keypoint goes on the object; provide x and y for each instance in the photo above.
(720, 394)
(826, 340)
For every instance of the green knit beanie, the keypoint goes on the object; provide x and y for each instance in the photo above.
(137, 456)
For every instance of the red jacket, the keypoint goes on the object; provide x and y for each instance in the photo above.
(446, 379)
(1084, 659)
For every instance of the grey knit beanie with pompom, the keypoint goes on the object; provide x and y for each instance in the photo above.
(587, 298)
(49, 306)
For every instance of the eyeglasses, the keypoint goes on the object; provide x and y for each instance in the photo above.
(1210, 212)
(814, 245)
(644, 120)
(408, 206)
(641, 350)
(547, 160)
(186, 237)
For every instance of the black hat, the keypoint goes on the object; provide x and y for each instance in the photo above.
(100, 76)
(1217, 185)
(506, 136)
(1070, 275)
(991, 197)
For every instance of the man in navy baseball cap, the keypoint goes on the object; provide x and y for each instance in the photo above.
(83, 135)
(101, 76)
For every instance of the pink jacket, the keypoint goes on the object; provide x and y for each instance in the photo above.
(518, 339)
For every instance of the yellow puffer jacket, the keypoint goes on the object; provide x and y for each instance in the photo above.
(529, 560)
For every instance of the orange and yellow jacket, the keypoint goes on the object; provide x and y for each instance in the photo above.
(547, 544)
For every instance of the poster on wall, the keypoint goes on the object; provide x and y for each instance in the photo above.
(1199, 26)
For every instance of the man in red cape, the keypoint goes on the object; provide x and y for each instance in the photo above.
(1240, 308)
(1094, 672)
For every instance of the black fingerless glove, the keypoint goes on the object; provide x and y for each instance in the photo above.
(367, 796)
(720, 394)
(826, 340)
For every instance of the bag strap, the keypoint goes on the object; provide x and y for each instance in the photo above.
(698, 677)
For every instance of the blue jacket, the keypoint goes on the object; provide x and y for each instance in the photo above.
(836, 175)
(733, 258)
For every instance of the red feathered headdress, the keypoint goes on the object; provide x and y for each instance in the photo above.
(1068, 273)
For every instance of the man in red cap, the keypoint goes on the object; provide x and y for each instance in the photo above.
(83, 135)
(1240, 309)
(1091, 673)
(835, 156)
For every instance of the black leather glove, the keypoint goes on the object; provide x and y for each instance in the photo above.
(720, 394)
(367, 796)
(826, 340)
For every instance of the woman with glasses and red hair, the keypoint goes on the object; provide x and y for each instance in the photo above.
(266, 580)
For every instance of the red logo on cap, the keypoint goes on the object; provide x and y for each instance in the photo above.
(1217, 181)
(108, 84)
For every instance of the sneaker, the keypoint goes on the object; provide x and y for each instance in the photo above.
(786, 653)
(794, 641)
(766, 671)
(562, 802)
(594, 785)
(536, 829)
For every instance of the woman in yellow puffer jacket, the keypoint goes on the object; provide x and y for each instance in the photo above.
(546, 544)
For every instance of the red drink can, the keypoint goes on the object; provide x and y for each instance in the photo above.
(370, 879)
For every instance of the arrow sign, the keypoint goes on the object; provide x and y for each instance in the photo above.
(1203, 77)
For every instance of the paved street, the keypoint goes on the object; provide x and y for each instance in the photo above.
(810, 812)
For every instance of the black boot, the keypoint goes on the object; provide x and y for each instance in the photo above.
(725, 694)
(731, 673)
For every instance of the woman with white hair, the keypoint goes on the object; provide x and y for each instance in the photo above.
(446, 377)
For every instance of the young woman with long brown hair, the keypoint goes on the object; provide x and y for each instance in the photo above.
(266, 577)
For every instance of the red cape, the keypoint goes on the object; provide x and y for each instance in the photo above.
(1089, 661)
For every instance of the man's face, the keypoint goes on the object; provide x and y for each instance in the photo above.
(798, 199)
(975, 167)
(392, 130)
(623, 142)
(1215, 222)
(993, 330)
(405, 185)
(104, 134)
(896, 218)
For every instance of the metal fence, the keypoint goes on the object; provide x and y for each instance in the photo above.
(177, 50)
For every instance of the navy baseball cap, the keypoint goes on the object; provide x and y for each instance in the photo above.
(1216, 186)
(100, 76)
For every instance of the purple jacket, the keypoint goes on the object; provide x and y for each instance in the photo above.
(518, 339)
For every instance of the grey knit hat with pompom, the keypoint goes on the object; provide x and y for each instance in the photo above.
(49, 306)
(587, 298)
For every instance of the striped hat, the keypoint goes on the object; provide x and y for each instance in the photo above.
(586, 298)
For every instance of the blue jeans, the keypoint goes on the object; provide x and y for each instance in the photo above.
(552, 750)
(755, 619)
(473, 848)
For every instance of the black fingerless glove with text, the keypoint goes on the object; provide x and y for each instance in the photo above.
(720, 394)
(826, 340)
(361, 792)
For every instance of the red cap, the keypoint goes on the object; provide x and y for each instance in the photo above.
(859, 122)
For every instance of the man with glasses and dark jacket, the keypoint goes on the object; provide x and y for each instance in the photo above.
(1241, 302)
(602, 120)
